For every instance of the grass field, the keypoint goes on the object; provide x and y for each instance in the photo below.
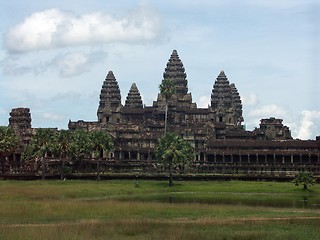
(151, 210)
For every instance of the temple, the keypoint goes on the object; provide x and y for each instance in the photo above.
(220, 140)
(222, 145)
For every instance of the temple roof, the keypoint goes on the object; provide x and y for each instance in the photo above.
(221, 93)
(110, 93)
(134, 98)
(236, 100)
(176, 72)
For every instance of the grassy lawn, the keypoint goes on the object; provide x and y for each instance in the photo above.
(151, 210)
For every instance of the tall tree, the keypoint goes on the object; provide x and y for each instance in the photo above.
(167, 89)
(62, 147)
(9, 142)
(80, 146)
(41, 144)
(174, 152)
(101, 142)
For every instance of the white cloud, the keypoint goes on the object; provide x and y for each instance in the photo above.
(204, 101)
(309, 123)
(69, 64)
(305, 125)
(54, 28)
(268, 111)
(250, 100)
(72, 64)
(252, 119)
(76, 63)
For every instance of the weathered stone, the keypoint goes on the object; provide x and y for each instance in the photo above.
(134, 98)
(221, 142)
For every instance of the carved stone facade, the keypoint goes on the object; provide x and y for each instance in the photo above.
(222, 145)
(20, 121)
(221, 142)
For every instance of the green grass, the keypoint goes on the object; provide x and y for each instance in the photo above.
(151, 210)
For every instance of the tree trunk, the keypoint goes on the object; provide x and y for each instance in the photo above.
(170, 174)
(2, 164)
(98, 169)
(166, 119)
(43, 168)
(62, 168)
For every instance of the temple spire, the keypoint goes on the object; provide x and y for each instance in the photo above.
(134, 98)
(110, 97)
(176, 72)
(221, 92)
(236, 103)
(225, 102)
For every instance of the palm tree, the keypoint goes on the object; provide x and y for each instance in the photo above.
(167, 89)
(9, 142)
(80, 146)
(41, 144)
(63, 147)
(173, 151)
(101, 141)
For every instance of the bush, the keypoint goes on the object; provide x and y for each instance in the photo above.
(304, 178)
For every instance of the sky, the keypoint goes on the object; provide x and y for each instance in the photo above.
(54, 55)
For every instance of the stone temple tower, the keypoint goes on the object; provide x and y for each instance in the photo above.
(134, 98)
(225, 102)
(175, 72)
(20, 122)
(110, 99)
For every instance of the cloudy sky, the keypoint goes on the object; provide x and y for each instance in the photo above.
(54, 55)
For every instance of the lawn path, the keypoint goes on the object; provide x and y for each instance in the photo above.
(204, 221)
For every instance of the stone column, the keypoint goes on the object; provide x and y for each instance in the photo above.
(300, 158)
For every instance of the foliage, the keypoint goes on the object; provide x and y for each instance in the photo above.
(174, 152)
(42, 143)
(62, 144)
(62, 149)
(8, 141)
(173, 147)
(304, 178)
(167, 88)
(100, 140)
(80, 146)
(76, 145)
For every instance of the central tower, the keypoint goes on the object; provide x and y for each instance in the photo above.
(175, 72)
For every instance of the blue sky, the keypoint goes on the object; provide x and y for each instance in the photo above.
(54, 55)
